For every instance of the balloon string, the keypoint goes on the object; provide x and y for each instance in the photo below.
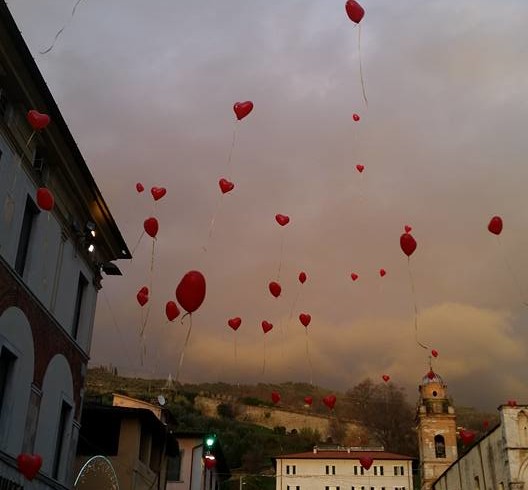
(309, 358)
(20, 157)
(361, 67)
(264, 362)
(213, 222)
(45, 247)
(60, 31)
(236, 362)
(280, 259)
(231, 149)
(150, 285)
(415, 306)
(137, 244)
(182, 354)
(512, 273)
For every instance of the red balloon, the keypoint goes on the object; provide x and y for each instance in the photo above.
(431, 374)
(275, 288)
(434, 353)
(360, 168)
(139, 187)
(143, 296)
(366, 462)
(209, 463)
(282, 219)
(302, 277)
(407, 228)
(354, 11)
(226, 186)
(330, 401)
(266, 326)
(467, 436)
(37, 120)
(151, 227)
(495, 225)
(485, 424)
(382, 272)
(29, 465)
(158, 192)
(171, 310)
(305, 319)
(386, 378)
(354, 276)
(356, 117)
(512, 403)
(308, 400)
(242, 109)
(234, 323)
(45, 199)
(408, 244)
(275, 397)
(190, 292)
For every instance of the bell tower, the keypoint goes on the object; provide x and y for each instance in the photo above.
(436, 428)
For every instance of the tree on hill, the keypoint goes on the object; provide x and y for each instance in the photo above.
(385, 412)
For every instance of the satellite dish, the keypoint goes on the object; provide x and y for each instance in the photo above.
(161, 400)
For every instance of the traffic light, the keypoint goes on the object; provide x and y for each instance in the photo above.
(209, 442)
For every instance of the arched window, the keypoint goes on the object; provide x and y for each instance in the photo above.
(439, 446)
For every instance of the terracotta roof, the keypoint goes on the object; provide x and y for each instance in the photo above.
(322, 454)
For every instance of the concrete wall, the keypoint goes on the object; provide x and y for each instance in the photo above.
(272, 417)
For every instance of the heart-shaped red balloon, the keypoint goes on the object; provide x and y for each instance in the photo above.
(354, 11)
(356, 117)
(302, 277)
(360, 168)
(467, 436)
(434, 353)
(45, 199)
(151, 226)
(408, 244)
(171, 310)
(308, 400)
(407, 228)
(366, 462)
(275, 397)
(354, 276)
(234, 323)
(512, 403)
(190, 292)
(29, 465)
(139, 187)
(143, 296)
(37, 120)
(495, 225)
(305, 319)
(282, 219)
(275, 288)
(330, 401)
(386, 378)
(158, 192)
(266, 326)
(226, 186)
(382, 272)
(209, 463)
(242, 109)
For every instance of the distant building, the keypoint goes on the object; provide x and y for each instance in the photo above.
(496, 461)
(138, 445)
(436, 429)
(50, 272)
(342, 469)
(499, 460)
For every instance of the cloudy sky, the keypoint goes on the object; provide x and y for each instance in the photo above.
(147, 89)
